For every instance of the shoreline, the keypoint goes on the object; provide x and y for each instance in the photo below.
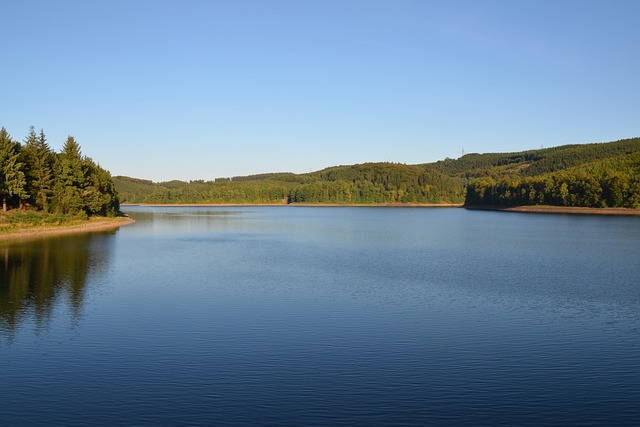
(106, 224)
(89, 226)
(315, 205)
(567, 210)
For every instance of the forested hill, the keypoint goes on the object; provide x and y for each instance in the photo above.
(589, 175)
(597, 175)
(536, 162)
(368, 183)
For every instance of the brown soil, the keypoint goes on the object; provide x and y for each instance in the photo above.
(419, 205)
(93, 224)
(561, 210)
(531, 209)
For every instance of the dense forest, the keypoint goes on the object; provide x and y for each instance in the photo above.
(368, 183)
(34, 177)
(589, 175)
(593, 175)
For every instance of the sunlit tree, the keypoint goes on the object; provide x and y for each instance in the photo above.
(39, 160)
(12, 178)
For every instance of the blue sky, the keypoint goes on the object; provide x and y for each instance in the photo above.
(195, 89)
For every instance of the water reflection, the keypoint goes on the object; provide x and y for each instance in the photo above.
(39, 276)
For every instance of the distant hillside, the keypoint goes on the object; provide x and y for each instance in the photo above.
(356, 184)
(593, 175)
(535, 162)
(223, 191)
(588, 175)
(371, 183)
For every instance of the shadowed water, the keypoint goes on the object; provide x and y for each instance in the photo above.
(325, 316)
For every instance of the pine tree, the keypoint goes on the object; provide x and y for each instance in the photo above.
(12, 178)
(39, 159)
(70, 180)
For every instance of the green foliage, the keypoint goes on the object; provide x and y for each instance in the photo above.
(278, 176)
(12, 178)
(600, 175)
(534, 162)
(572, 175)
(359, 184)
(64, 183)
(267, 192)
(35, 219)
(372, 183)
(39, 162)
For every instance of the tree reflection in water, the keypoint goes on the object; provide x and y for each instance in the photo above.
(36, 276)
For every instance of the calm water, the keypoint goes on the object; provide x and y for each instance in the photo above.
(325, 316)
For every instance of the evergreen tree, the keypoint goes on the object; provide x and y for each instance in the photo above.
(66, 182)
(39, 159)
(12, 178)
(70, 179)
(82, 186)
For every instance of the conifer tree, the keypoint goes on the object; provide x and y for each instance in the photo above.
(39, 159)
(12, 178)
(70, 180)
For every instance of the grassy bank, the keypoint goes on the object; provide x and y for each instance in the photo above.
(17, 224)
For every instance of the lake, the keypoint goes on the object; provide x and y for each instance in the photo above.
(324, 316)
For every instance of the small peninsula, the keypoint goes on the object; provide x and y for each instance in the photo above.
(43, 192)
(89, 225)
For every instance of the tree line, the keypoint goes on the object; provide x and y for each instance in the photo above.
(535, 162)
(33, 176)
(371, 183)
(595, 175)
(589, 175)
(368, 183)
(613, 182)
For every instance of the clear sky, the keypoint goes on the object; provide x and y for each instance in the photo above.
(200, 89)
